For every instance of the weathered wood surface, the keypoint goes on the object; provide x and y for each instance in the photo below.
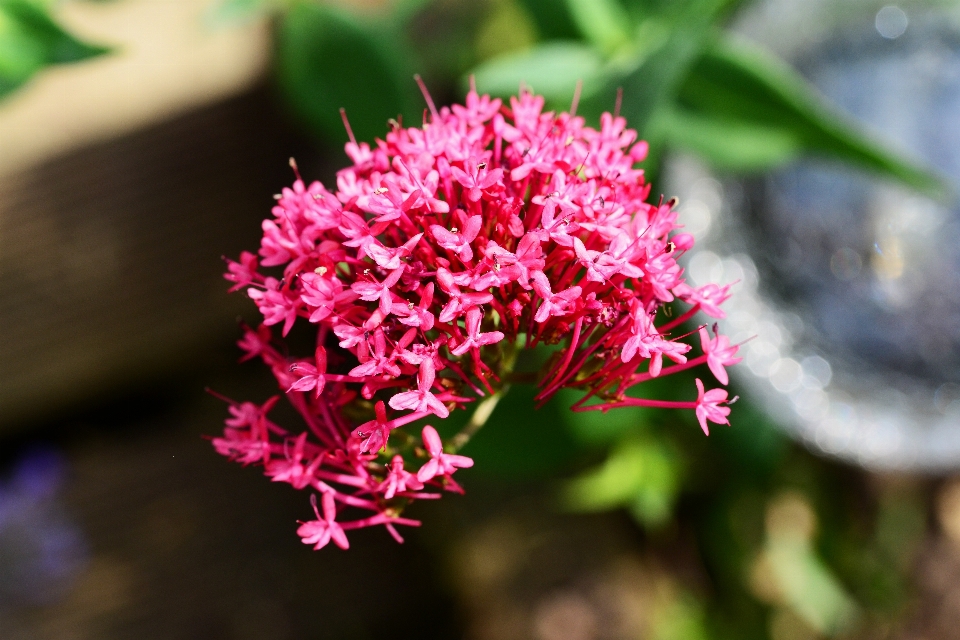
(110, 257)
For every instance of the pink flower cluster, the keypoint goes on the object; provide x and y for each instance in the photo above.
(442, 251)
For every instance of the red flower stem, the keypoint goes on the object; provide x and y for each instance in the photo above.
(378, 519)
(546, 393)
(348, 499)
(456, 369)
(406, 419)
(300, 404)
(676, 368)
(570, 349)
(342, 478)
(335, 429)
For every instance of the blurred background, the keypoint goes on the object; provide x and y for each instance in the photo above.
(815, 149)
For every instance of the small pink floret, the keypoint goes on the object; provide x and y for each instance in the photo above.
(320, 531)
(440, 463)
(710, 406)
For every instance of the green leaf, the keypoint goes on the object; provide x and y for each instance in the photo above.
(59, 47)
(736, 82)
(656, 82)
(552, 70)
(327, 60)
(729, 144)
(518, 442)
(553, 19)
(642, 474)
(651, 81)
(682, 618)
(809, 586)
(30, 40)
(506, 28)
(404, 10)
(602, 22)
(228, 13)
(598, 428)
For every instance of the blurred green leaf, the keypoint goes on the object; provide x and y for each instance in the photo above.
(519, 442)
(809, 586)
(643, 9)
(602, 22)
(442, 37)
(651, 81)
(642, 474)
(552, 70)
(598, 428)
(507, 28)
(404, 10)
(30, 40)
(732, 145)
(328, 60)
(553, 19)
(657, 80)
(735, 82)
(233, 12)
(682, 618)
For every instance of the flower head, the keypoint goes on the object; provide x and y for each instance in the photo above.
(442, 250)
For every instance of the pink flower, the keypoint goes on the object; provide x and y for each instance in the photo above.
(421, 399)
(320, 531)
(440, 463)
(444, 249)
(374, 434)
(398, 479)
(378, 361)
(477, 182)
(291, 469)
(529, 258)
(320, 293)
(419, 315)
(243, 273)
(456, 240)
(709, 406)
(391, 258)
(709, 297)
(254, 343)
(475, 339)
(600, 266)
(554, 304)
(459, 302)
(385, 201)
(356, 231)
(241, 447)
(380, 291)
(720, 354)
(312, 377)
(275, 305)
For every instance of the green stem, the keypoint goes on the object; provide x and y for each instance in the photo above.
(479, 418)
(484, 408)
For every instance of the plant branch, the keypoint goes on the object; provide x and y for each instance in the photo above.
(479, 418)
